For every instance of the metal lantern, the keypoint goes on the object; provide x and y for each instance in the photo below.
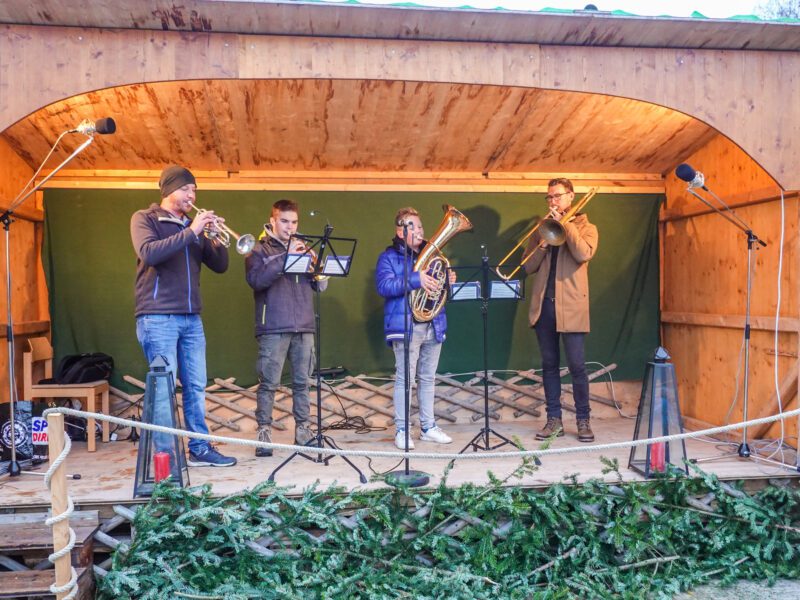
(659, 415)
(160, 408)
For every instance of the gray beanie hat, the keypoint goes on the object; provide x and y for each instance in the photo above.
(173, 178)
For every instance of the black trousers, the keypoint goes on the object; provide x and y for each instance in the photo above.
(551, 358)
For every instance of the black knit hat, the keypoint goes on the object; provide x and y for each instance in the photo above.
(173, 178)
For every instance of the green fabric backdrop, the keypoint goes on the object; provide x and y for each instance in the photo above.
(90, 265)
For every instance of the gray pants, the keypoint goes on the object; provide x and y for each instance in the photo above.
(423, 354)
(272, 351)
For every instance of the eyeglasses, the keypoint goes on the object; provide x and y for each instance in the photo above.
(556, 196)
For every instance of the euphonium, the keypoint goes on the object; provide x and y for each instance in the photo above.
(424, 305)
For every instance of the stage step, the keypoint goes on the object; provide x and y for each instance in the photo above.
(25, 543)
(36, 584)
(25, 532)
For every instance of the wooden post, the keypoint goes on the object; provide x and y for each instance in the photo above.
(58, 498)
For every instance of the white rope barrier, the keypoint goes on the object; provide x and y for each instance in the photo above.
(72, 585)
(422, 455)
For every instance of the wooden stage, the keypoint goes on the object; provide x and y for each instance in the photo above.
(107, 475)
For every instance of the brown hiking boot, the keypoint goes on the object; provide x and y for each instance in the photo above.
(585, 433)
(264, 435)
(303, 434)
(553, 425)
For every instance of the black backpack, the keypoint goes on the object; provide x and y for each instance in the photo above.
(82, 368)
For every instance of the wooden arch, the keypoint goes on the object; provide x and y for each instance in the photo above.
(717, 87)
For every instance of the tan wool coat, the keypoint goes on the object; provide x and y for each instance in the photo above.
(572, 276)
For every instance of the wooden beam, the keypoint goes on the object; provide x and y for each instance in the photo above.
(26, 328)
(759, 323)
(625, 183)
(751, 198)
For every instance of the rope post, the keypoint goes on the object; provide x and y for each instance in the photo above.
(58, 499)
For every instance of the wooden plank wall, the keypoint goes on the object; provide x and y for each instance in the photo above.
(704, 282)
(29, 302)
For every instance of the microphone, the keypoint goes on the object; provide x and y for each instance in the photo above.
(104, 126)
(408, 224)
(695, 179)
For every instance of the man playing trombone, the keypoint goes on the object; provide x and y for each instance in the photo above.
(284, 322)
(560, 306)
(170, 249)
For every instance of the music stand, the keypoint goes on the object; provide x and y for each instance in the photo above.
(484, 285)
(330, 264)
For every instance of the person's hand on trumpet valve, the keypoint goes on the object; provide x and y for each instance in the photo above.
(204, 220)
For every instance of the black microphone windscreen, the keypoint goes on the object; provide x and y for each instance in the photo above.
(105, 126)
(685, 172)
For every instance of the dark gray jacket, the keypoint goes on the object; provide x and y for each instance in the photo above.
(283, 303)
(169, 256)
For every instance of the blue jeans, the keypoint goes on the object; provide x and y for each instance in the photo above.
(273, 348)
(423, 358)
(551, 359)
(181, 340)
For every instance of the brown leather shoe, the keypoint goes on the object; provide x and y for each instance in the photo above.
(264, 435)
(553, 425)
(585, 433)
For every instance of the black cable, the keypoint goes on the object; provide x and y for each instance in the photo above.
(357, 423)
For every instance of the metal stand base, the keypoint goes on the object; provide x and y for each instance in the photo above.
(405, 478)
(481, 441)
(318, 441)
(743, 451)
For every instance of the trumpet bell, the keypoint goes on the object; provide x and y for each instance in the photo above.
(245, 244)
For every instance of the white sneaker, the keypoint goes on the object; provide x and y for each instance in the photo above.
(400, 441)
(435, 434)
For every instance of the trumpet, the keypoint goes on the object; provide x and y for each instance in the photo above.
(304, 249)
(218, 231)
(551, 230)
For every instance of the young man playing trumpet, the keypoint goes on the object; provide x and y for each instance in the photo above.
(170, 249)
(284, 322)
(425, 337)
(560, 307)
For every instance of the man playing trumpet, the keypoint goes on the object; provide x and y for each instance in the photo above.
(170, 249)
(284, 322)
(560, 307)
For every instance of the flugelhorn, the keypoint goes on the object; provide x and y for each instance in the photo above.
(550, 229)
(221, 233)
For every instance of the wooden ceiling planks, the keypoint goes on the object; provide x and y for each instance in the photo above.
(361, 125)
(393, 22)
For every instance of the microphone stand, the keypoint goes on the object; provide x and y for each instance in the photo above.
(6, 218)
(406, 476)
(743, 450)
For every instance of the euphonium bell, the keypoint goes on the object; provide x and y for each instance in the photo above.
(424, 305)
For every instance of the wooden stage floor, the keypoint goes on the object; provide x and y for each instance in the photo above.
(107, 475)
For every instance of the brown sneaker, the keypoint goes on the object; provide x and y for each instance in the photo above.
(585, 433)
(303, 434)
(553, 425)
(264, 435)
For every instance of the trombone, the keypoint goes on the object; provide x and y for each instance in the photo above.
(222, 233)
(550, 229)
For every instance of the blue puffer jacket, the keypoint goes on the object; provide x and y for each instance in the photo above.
(389, 281)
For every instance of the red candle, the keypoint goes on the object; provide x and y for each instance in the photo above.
(657, 457)
(161, 463)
